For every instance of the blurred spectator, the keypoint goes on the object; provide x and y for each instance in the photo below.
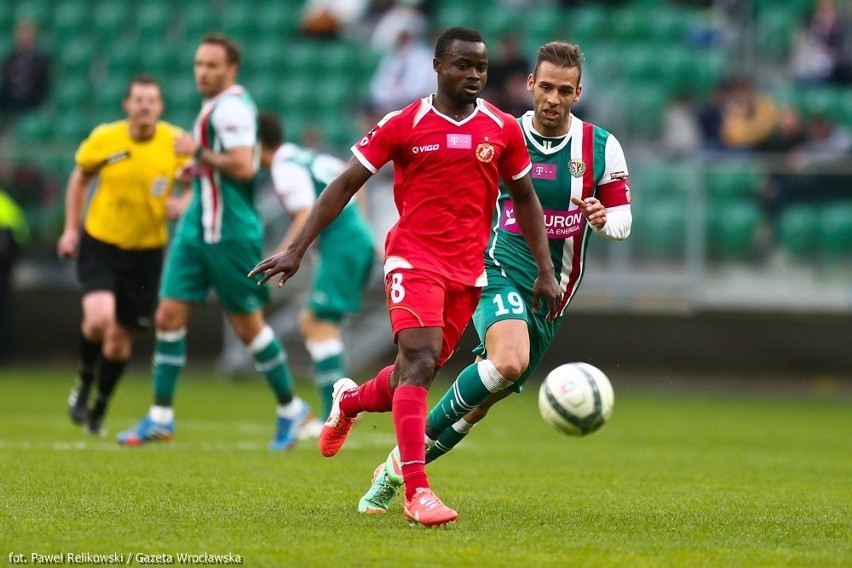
(401, 17)
(404, 74)
(331, 18)
(748, 116)
(789, 132)
(816, 170)
(14, 234)
(507, 77)
(709, 116)
(818, 54)
(26, 73)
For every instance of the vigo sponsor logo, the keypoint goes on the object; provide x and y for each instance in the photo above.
(459, 141)
(425, 148)
(544, 171)
(559, 224)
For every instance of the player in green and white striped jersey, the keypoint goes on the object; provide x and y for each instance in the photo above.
(580, 177)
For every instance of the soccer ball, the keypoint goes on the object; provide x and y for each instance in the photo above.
(576, 398)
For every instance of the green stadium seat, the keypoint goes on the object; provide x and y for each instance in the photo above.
(38, 11)
(70, 19)
(296, 96)
(835, 229)
(659, 229)
(152, 21)
(238, 20)
(276, 23)
(457, 14)
(644, 104)
(72, 128)
(773, 31)
(732, 181)
(181, 93)
(630, 23)
(265, 93)
(263, 59)
(108, 94)
(588, 23)
(123, 58)
(732, 227)
(198, 19)
(76, 58)
(797, 230)
(34, 128)
(110, 20)
(72, 96)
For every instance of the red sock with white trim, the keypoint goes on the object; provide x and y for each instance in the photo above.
(409, 420)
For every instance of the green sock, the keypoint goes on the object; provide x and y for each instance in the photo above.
(271, 360)
(169, 359)
(326, 373)
(471, 388)
(448, 440)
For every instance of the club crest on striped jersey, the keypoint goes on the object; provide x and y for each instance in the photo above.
(485, 152)
(576, 167)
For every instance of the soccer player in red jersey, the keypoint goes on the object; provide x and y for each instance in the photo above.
(449, 150)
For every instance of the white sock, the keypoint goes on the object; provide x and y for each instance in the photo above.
(292, 409)
(162, 414)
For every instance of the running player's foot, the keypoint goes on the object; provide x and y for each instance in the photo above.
(337, 426)
(393, 466)
(77, 405)
(310, 430)
(426, 509)
(286, 431)
(147, 431)
(95, 426)
(380, 495)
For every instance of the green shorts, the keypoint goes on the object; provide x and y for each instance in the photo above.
(502, 299)
(193, 268)
(340, 277)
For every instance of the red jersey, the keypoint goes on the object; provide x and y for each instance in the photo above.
(446, 176)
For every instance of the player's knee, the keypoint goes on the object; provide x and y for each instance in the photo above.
(95, 325)
(510, 365)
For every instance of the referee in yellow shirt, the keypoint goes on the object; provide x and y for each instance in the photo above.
(130, 166)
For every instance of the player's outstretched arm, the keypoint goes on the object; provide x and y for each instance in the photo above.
(530, 218)
(326, 209)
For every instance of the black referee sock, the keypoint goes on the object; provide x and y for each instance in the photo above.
(110, 373)
(90, 352)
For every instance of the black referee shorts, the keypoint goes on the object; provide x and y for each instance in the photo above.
(132, 275)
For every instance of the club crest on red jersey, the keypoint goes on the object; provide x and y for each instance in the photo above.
(577, 167)
(485, 152)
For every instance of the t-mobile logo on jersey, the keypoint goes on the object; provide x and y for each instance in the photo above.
(459, 141)
(544, 171)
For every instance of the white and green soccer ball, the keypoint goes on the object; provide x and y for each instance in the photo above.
(576, 398)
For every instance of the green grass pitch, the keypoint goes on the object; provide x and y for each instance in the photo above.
(672, 480)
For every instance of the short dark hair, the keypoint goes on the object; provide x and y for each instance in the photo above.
(142, 80)
(233, 53)
(442, 46)
(561, 54)
(270, 130)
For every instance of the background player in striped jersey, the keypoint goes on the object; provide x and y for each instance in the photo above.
(218, 240)
(580, 176)
(449, 151)
(344, 259)
(119, 250)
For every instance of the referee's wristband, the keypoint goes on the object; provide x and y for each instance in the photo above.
(198, 152)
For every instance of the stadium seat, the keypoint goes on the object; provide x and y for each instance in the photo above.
(75, 59)
(72, 95)
(72, 128)
(110, 20)
(835, 229)
(587, 24)
(275, 23)
(773, 31)
(238, 21)
(33, 128)
(152, 21)
(732, 227)
(123, 58)
(659, 229)
(181, 94)
(70, 19)
(197, 19)
(797, 230)
(38, 11)
(733, 180)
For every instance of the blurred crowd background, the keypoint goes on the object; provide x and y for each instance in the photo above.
(735, 117)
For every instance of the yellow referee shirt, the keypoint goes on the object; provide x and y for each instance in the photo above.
(134, 179)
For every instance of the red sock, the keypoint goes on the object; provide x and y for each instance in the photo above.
(409, 420)
(373, 396)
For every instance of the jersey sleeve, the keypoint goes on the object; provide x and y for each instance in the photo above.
(90, 154)
(376, 148)
(293, 185)
(235, 123)
(613, 189)
(515, 161)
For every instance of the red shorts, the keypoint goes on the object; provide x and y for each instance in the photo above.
(423, 299)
